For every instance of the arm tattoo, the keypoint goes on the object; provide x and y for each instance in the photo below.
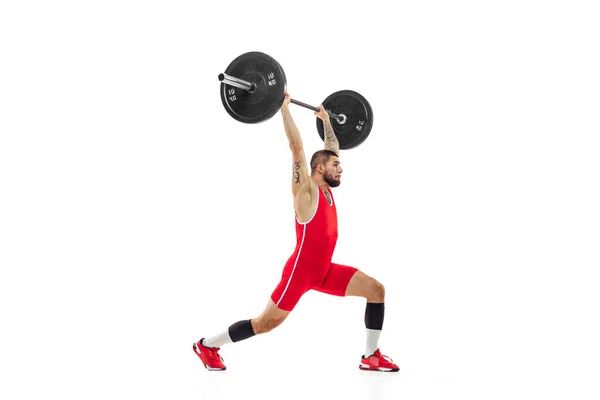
(296, 173)
(331, 141)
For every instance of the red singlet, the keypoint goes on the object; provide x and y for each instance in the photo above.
(310, 266)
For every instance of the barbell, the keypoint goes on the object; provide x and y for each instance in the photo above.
(253, 89)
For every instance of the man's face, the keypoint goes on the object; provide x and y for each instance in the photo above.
(333, 172)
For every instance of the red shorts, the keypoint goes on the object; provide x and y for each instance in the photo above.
(297, 281)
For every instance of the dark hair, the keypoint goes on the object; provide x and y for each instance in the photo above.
(320, 157)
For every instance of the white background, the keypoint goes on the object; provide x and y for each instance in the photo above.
(136, 216)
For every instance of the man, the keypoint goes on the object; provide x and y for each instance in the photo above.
(310, 266)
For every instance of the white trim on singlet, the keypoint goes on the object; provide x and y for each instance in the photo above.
(295, 263)
(315, 213)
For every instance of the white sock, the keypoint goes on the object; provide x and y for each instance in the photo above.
(217, 340)
(372, 342)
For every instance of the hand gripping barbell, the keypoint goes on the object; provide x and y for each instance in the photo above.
(253, 89)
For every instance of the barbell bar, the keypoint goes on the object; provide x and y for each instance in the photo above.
(251, 87)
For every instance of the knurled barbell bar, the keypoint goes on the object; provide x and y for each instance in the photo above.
(251, 87)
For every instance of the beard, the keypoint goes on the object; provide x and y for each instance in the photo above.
(330, 180)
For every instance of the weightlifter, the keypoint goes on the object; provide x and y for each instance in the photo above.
(310, 266)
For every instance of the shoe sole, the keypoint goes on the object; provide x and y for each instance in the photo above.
(195, 348)
(378, 369)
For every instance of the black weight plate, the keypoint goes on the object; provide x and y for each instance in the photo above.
(359, 118)
(262, 70)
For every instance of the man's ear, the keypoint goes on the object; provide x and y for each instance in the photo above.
(321, 168)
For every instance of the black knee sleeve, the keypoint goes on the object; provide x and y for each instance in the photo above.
(241, 330)
(374, 316)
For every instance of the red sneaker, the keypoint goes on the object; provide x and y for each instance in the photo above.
(378, 362)
(210, 356)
